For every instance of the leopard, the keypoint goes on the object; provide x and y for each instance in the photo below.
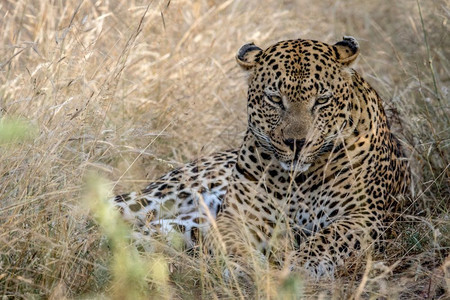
(317, 174)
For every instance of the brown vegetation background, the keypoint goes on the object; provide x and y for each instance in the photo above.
(131, 89)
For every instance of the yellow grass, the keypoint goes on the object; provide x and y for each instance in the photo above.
(130, 89)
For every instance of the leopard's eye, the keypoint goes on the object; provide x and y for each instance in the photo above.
(324, 98)
(275, 98)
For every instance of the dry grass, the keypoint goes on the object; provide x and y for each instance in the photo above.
(113, 88)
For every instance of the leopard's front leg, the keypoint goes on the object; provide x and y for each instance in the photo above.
(233, 245)
(246, 233)
(350, 236)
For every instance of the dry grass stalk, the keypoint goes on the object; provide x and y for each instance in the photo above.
(128, 90)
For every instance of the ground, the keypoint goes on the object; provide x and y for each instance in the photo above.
(127, 90)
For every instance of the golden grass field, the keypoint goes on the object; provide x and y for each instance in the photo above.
(126, 90)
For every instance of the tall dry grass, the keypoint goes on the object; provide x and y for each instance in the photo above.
(130, 89)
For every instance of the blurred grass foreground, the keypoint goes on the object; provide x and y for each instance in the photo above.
(121, 91)
(14, 131)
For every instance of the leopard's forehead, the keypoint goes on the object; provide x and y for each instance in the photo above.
(304, 53)
(296, 64)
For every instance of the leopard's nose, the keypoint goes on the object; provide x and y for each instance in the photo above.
(295, 144)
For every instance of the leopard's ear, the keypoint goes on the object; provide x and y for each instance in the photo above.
(347, 50)
(248, 55)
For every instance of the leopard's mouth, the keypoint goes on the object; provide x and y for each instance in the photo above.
(299, 161)
(302, 159)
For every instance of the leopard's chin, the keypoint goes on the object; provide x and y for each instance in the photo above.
(297, 167)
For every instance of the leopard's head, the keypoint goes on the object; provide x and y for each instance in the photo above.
(300, 97)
